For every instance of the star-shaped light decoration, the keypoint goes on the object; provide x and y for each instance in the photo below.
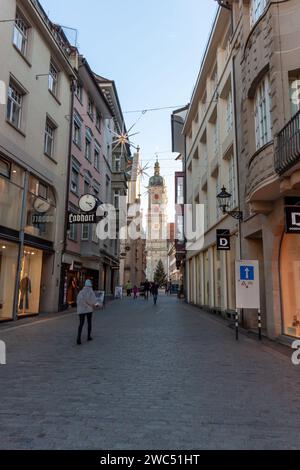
(142, 170)
(122, 139)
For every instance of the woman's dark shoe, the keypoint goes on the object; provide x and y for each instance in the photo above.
(78, 342)
(90, 339)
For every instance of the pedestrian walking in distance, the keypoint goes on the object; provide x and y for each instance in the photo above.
(86, 303)
(154, 292)
(135, 292)
(146, 289)
(128, 289)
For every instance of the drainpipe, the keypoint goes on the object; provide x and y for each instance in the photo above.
(237, 168)
(185, 287)
(72, 89)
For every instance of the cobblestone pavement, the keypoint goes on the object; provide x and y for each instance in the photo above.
(159, 377)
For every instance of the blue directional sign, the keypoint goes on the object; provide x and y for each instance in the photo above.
(247, 273)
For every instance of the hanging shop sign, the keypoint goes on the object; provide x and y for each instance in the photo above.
(41, 207)
(292, 219)
(75, 218)
(247, 284)
(223, 240)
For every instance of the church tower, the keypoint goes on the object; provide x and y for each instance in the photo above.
(157, 246)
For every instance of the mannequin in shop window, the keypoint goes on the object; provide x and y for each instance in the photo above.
(25, 290)
(72, 292)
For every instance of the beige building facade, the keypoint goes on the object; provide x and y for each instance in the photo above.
(266, 39)
(37, 70)
(210, 164)
(242, 131)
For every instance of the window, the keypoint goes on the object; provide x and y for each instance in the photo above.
(256, 10)
(218, 190)
(232, 181)
(96, 188)
(180, 190)
(116, 198)
(117, 165)
(85, 232)
(97, 158)
(94, 234)
(20, 39)
(14, 105)
(73, 232)
(43, 190)
(90, 108)
(229, 113)
(294, 85)
(88, 145)
(78, 91)
(5, 168)
(49, 138)
(216, 138)
(98, 121)
(75, 180)
(262, 113)
(214, 80)
(53, 79)
(77, 131)
(87, 186)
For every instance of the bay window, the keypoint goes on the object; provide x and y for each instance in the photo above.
(262, 112)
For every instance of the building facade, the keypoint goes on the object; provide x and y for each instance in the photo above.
(242, 131)
(90, 173)
(133, 249)
(37, 72)
(211, 163)
(119, 163)
(157, 245)
(266, 37)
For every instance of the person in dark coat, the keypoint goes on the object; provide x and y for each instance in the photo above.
(154, 292)
(147, 289)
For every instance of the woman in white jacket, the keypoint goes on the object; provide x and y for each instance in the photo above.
(86, 303)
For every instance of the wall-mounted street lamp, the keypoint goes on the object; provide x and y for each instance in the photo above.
(224, 203)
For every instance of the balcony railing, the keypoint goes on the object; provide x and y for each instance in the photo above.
(288, 145)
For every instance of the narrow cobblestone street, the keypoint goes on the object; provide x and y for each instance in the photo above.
(159, 377)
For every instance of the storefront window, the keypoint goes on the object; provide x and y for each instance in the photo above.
(11, 193)
(217, 274)
(290, 282)
(206, 279)
(30, 282)
(8, 269)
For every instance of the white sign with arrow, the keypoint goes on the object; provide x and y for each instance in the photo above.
(247, 284)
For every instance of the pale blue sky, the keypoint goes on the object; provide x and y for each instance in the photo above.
(152, 49)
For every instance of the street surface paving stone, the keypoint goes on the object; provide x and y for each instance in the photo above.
(164, 377)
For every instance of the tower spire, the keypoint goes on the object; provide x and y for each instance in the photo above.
(157, 167)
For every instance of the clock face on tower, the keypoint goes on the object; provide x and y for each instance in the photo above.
(156, 197)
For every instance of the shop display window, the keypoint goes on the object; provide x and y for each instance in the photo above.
(30, 282)
(290, 282)
(8, 269)
(11, 193)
